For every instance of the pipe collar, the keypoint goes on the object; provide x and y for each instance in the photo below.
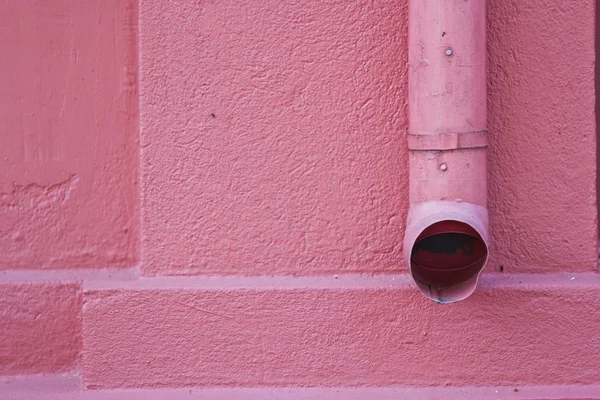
(446, 247)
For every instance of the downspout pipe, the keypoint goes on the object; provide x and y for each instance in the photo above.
(446, 238)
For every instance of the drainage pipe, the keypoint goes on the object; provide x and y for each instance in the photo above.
(446, 239)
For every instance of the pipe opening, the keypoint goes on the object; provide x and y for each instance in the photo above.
(447, 254)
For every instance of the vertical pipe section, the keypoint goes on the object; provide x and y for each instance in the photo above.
(446, 239)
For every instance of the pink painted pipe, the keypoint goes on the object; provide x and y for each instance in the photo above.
(446, 240)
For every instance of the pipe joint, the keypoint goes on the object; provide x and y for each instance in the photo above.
(447, 141)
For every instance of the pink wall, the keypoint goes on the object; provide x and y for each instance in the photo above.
(597, 87)
(280, 197)
(273, 144)
(68, 156)
(41, 326)
(303, 168)
(542, 163)
(350, 331)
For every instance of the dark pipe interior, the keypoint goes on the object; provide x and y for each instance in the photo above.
(447, 253)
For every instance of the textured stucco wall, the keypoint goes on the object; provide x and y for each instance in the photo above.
(351, 331)
(303, 169)
(68, 168)
(273, 143)
(542, 196)
(68, 135)
(41, 327)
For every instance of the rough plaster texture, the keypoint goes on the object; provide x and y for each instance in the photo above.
(40, 327)
(68, 128)
(273, 143)
(274, 136)
(341, 332)
(542, 196)
(597, 87)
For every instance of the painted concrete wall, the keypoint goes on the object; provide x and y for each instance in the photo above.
(272, 144)
(69, 150)
(303, 168)
(68, 168)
